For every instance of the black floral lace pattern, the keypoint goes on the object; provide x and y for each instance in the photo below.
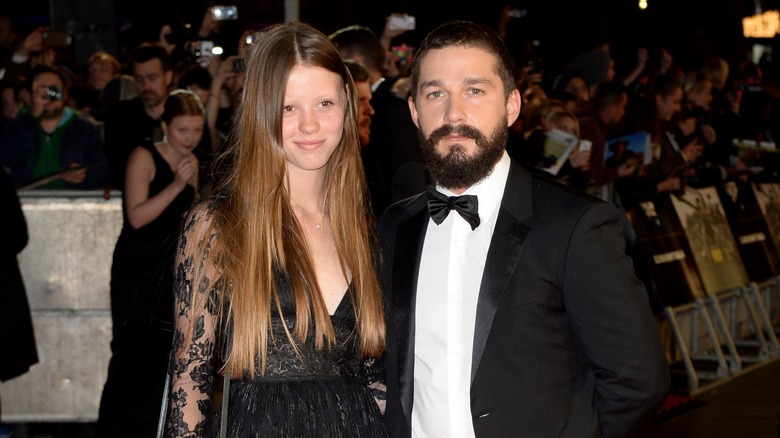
(310, 392)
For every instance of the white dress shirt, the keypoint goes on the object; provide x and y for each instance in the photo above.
(453, 259)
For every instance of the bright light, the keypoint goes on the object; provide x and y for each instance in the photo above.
(643, 4)
(216, 50)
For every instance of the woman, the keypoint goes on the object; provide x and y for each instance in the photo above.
(160, 186)
(276, 285)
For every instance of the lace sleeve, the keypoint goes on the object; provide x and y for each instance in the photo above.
(376, 381)
(193, 366)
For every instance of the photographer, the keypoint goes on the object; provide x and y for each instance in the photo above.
(49, 138)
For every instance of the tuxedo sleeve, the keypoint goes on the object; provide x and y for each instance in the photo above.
(614, 327)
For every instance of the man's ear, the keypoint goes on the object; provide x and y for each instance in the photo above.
(168, 78)
(413, 110)
(513, 105)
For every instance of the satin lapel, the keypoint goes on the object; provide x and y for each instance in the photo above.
(408, 251)
(506, 245)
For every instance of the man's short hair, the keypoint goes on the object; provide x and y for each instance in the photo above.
(45, 68)
(665, 86)
(360, 40)
(358, 72)
(469, 35)
(195, 75)
(148, 51)
(608, 93)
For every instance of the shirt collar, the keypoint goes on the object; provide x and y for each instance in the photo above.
(376, 84)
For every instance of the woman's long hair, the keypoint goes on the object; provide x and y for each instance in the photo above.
(257, 233)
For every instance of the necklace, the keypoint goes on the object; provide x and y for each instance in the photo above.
(317, 225)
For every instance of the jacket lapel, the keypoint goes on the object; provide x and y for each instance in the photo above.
(409, 243)
(506, 245)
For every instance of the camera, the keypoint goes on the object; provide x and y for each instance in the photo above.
(224, 13)
(52, 93)
(401, 22)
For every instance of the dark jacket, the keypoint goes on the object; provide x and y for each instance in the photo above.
(16, 331)
(565, 343)
(80, 143)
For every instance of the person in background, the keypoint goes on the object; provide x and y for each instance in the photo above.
(517, 314)
(17, 337)
(15, 96)
(394, 136)
(133, 122)
(276, 287)
(104, 75)
(51, 137)
(160, 187)
(377, 188)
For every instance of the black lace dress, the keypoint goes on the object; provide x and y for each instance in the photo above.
(312, 393)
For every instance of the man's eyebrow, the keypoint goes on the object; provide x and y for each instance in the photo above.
(431, 83)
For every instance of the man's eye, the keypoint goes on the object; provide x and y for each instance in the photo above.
(475, 91)
(435, 95)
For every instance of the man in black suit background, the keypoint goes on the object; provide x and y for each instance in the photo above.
(519, 313)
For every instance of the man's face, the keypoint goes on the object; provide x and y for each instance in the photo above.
(669, 105)
(10, 106)
(100, 73)
(52, 109)
(365, 112)
(462, 115)
(152, 82)
(616, 111)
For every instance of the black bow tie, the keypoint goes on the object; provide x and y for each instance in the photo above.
(440, 206)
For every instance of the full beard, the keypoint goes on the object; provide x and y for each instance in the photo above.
(54, 113)
(455, 169)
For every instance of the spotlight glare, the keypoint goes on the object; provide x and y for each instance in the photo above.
(643, 4)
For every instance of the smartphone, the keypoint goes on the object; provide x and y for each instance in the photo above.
(401, 22)
(224, 13)
(54, 38)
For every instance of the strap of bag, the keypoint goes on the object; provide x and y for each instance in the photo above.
(225, 394)
(164, 406)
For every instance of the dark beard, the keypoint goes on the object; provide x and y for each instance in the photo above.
(52, 114)
(456, 170)
(150, 99)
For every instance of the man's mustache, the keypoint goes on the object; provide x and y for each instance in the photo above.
(461, 130)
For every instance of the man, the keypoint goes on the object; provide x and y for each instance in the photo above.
(378, 189)
(133, 122)
(51, 137)
(520, 316)
(394, 139)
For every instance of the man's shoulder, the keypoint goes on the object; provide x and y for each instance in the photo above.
(551, 196)
(403, 210)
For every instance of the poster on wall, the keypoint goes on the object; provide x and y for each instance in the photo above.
(711, 241)
(768, 197)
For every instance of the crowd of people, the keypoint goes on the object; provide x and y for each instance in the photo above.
(293, 148)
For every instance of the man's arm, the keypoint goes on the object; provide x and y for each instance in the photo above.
(614, 326)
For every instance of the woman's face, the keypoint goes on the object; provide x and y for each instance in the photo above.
(567, 125)
(312, 118)
(184, 133)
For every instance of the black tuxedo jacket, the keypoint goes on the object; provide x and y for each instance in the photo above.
(565, 343)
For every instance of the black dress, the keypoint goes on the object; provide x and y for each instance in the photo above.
(312, 393)
(142, 314)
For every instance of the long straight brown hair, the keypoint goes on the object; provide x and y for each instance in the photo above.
(257, 235)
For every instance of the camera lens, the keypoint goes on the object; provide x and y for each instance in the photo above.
(53, 93)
